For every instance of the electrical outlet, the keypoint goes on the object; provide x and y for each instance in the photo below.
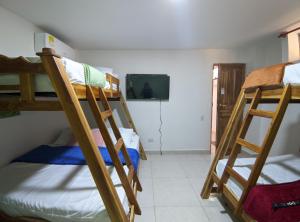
(150, 140)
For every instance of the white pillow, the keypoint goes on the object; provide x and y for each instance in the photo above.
(64, 138)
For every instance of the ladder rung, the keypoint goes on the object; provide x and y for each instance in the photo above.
(106, 114)
(130, 174)
(236, 176)
(119, 144)
(261, 113)
(248, 145)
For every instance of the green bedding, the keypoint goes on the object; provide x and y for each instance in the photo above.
(93, 76)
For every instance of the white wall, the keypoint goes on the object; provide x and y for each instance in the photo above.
(190, 92)
(190, 96)
(291, 44)
(264, 53)
(30, 129)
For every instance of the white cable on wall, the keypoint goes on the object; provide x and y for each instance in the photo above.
(160, 127)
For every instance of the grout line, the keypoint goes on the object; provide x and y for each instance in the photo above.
(154, 206)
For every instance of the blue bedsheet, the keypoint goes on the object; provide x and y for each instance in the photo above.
(71, 155)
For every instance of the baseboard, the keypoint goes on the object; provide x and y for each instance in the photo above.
(178, 151)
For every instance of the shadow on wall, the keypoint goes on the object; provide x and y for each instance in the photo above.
(291, 143)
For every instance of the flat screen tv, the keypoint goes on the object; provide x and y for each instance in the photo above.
(147, 86)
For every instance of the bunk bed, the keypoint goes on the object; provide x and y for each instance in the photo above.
(238, 164)
(117, 185)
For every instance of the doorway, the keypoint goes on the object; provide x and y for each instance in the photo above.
(226, 85)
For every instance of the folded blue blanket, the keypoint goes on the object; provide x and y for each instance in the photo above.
(71, 155)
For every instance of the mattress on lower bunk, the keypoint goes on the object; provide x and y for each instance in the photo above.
(60, 193)
(74, 70)
(277, 169)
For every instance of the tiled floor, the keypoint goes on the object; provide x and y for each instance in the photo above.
(172, 185)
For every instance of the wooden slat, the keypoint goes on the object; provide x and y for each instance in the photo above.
(15, 105)
(9, 87)
(248, 145)
(119, 144)
(19, 65)
(236, 176)
(27, 87)
(246, 218)
(230, 196)
(81, 92)
(135, 189)
(106, 114)
(215, 178)
(261, 113)
(274, 95)
(132, 214)
(130, 174)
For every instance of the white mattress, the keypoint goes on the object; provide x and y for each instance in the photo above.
(60, 193)
(292, 74)
(277, 169)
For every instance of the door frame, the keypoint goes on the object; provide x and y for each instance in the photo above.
(211, 107)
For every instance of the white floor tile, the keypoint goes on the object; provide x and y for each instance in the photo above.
(172, 184)
(195, 157)
(157, 158)
(217, 214)
(145, 163)
(145, 198)
(174, 192)
(195, 169)
(148, 215)
(197, 184)
(167, 170)
(145, 172)
(180, 214)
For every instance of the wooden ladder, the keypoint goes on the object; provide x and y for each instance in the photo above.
(131, 124)
(261, 151)
(130, 182)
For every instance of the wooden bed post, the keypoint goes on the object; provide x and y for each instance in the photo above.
(82, 132)
(131, 124)
(225, 142)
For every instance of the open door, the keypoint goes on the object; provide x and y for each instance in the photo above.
(226, 85)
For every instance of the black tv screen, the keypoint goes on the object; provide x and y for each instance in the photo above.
(147, 87)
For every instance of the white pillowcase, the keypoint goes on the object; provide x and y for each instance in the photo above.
(64, 138)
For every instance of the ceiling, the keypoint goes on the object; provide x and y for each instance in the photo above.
(157, 24)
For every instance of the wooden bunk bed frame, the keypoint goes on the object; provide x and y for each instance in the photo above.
(68, 101)
(232, 143)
